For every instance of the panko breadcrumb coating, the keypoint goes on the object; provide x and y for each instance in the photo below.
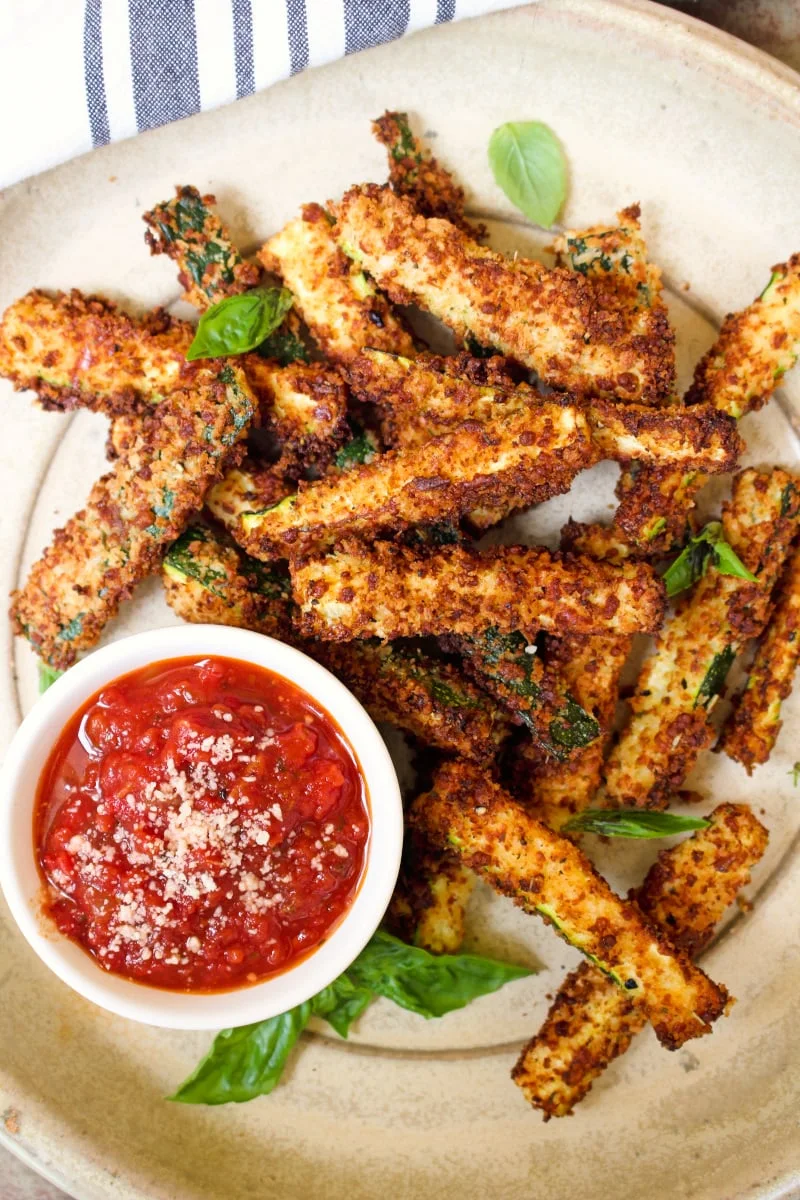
(428, 907)
(547, 874)
(750, 733)
(551, 320)
(591, 1021)
(391, 591)
(132, 515)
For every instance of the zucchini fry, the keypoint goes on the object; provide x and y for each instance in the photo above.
(680, 682)
(615, 259)
(420, 402)
(750, 734)
(207, 578)
(429, 904)
(132, 515)
(755, 347)
(338, 303)
(192, 235)
(547, 874)
(549, 320)
(523, 458)
(79, 351)
(243, 488)
(303, 405)
(558, 778)
(591, 1022)
(390, 591)
(416, 174)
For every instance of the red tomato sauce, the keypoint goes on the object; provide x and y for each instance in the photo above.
(200, 824)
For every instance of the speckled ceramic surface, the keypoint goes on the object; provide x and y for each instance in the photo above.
(706, 134)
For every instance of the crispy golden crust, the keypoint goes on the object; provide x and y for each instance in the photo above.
(680, 683)
(550, 320)
(208, 580)
(243, 488)
(614, 258)
(192, 235)
(523, 458)
(431, 700)
(335, 299)
(755, 347)
(428, 907)
(131, 516)
(591, 1021)
(416, 174)
(750, 733)
(418, 402)
(390, 591)
(79, 351)
(586, 669)
(546, 874)
(304, 405)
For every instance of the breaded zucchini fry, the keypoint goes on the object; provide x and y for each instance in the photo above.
(755, 347)
(750, 733)
(304, 405)
(586, 670)
(416, 174)
(428, 907)
(339, 304)
(207, 578)
(591, 1022)
(132, 515)
(420, 402)
(681, 681)
(244, 488)
(79, 351)
(547, 874)
(391, 591)
(523, 458)
(549, 320)
(192, 235)
(614, 258)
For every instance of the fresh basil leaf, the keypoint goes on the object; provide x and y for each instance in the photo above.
(706, 547)
(528, 163)
(47, 676)
(631, 823)
(424, 983)
(728, 562)
(239, 323)
(341, 1003)
(246, 1062)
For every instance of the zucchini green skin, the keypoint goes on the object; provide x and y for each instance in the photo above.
(207, 578)
(547, 874)
(591, 1022)
(680, 683)
(188, 230)
(132, 515)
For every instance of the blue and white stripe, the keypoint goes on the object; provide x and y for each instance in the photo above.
(125, 66)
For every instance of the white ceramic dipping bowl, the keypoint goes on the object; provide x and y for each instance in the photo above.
(22, 884)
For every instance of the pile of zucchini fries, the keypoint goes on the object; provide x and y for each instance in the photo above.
(328, 489)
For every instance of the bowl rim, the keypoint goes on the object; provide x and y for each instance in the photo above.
(32, 744)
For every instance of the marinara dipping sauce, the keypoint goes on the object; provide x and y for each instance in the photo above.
(200, 825)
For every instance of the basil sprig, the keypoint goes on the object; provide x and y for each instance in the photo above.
(707, 547)
(240, 323)
(631, 823)
(47, 676)
(248, 1062)
(528, 163)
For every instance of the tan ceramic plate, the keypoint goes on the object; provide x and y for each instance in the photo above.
(706, 133)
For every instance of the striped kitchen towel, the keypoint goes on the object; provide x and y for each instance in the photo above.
(76, 74)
